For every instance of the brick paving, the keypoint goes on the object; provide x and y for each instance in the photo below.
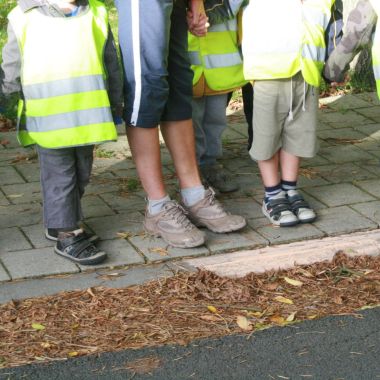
(342, 183)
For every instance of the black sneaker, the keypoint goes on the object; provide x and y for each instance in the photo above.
(52, 234)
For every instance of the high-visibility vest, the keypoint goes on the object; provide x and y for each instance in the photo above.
(217, 57)
(283, 37)
(376, 47)
(63, 78)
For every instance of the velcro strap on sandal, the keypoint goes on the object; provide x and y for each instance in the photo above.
(278, 206)
(75, 250)
(70, 240)
(297, 202)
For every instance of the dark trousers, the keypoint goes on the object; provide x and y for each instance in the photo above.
(247, 92)
(64, 175)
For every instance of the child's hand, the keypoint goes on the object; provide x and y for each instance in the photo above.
(197, 19)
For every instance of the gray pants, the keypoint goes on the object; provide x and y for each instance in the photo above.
(64, 176)
(209, 120)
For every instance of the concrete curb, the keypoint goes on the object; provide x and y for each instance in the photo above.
(239, 264)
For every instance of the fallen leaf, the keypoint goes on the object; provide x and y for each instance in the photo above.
(283, 300)
(243, 323)
(160, 251)
(277, 319)
(212, 309)
(38, 326)
(73, 354)
(45, 345)
(291, 317)
(210, 318)
(293, 282)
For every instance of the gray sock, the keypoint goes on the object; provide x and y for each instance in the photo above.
(155, 205)
(192, 195)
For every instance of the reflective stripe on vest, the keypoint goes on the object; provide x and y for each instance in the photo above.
(217, 57)
(63, 78)
(376, 47)
(290, 44)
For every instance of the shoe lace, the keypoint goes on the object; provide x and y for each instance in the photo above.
(212, 201)
(175, 211)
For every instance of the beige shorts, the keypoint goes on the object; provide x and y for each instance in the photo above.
(273, 126)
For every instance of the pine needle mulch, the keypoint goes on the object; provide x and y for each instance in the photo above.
(182, 308)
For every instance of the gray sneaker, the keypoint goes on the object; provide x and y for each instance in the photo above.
(300, 207)
(218, 178)
(173, 226)
(278, 210)
(208, 212)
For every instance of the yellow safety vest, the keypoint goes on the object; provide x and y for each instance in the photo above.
(63, 78)
(217, 57)
(376, 47)
(282, 37)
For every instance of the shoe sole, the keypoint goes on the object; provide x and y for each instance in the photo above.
(279, 224)
(310, 220)
(222, 230)
(96, 259)
(176, 245)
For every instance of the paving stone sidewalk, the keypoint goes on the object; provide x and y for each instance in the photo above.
(342, 183)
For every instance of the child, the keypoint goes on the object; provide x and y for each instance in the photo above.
(213, 79)
(285, 64)
(55, 59)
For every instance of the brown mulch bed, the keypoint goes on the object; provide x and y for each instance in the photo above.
(182, 308)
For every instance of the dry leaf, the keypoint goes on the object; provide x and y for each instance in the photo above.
(38, 326)
(73, 354)
(283, 300)
(160, 251)
(243, 323)
(291, 317)
(210, 318)
(277, 319)
(212, 309)
(293, 282)
(45, 345)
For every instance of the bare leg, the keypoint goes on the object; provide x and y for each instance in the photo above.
(289, 166)
(269, 171)
(145, 147)
(179, 138)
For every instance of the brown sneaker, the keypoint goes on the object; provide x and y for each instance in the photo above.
(174, 227)
(208, 212)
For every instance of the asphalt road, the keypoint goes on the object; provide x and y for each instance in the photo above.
(333, 348)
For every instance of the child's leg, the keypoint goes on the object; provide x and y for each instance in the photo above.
(61, 198)
(275, 205)
(64, 173)
(247, 92)
(289, 175)
(213, 124)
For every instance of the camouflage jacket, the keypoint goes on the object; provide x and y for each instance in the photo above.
(358, 33)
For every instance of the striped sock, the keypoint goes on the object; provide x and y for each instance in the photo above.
(271, 191)
(288, 185)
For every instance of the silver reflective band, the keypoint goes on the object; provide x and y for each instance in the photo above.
(194, 58)
(376, 71)
(222, 60)
(69, 120)
(229, 26)
(64, 87)
(315, 53)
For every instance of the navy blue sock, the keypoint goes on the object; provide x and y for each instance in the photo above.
(271, 191)
(288, 185)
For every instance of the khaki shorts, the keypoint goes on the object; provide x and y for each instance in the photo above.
(273, 128)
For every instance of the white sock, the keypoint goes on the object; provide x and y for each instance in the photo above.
(192, 195)
(155, 205)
